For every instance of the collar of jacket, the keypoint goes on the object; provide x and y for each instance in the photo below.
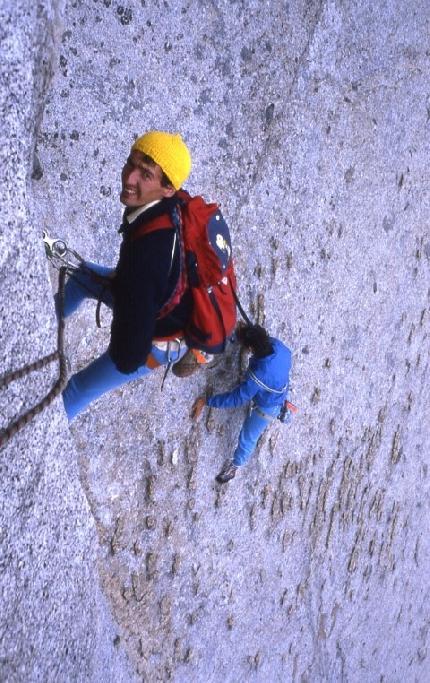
(150, 212)
(130, 216)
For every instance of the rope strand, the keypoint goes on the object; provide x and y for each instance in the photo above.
(15, 425)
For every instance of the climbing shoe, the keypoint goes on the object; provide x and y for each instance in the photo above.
(227, 472)
(194, 360)
(186, 366)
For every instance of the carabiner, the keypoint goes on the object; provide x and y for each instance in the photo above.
(60, 254)
(54, 247)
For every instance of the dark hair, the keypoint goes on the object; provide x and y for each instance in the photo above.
(256, 338)
(165, 180)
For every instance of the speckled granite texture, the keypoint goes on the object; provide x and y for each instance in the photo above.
(309, 123)
(55, 623)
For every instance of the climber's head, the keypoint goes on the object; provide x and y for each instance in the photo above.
(157, 166)
(255, 338)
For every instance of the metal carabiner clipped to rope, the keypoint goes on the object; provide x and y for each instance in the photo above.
(60, 254)
(53, 246)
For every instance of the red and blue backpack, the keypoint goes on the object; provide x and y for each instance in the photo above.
(206, 268)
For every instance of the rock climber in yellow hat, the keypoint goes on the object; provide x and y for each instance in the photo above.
(145, 279)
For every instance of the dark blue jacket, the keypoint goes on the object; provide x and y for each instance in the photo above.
(271, 372)
(145, 277)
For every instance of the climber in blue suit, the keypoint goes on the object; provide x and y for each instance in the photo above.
(265, 384)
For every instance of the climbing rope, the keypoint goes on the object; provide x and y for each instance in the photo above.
(13, 427)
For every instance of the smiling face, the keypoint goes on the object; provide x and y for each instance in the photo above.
(142, 182)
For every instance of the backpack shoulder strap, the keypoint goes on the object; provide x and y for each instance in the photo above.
(163, 222)
(183, 196)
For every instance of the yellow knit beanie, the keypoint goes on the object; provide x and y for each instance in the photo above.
(168, 151)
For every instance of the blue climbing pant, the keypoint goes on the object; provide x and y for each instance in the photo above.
(102, 374)
(82, 285)
(253, 427)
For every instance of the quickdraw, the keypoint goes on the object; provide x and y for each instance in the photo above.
(62, 255)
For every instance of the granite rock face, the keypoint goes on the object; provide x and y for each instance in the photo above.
(309, 123)
(55, 623)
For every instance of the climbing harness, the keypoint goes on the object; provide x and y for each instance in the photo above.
(15, 425)
(288, 409)
(266, 416)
